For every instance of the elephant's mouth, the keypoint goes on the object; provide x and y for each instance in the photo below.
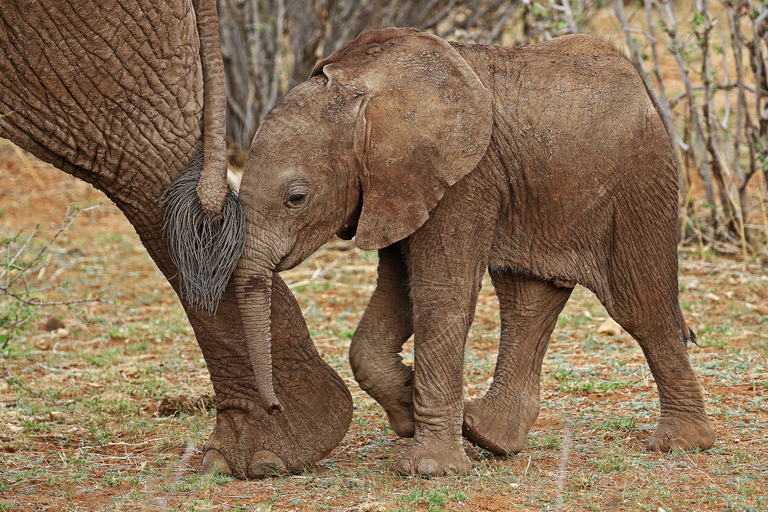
(292, 259)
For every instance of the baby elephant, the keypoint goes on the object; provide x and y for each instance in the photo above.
(548, 164)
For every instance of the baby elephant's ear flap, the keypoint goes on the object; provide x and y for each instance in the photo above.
(426, 124)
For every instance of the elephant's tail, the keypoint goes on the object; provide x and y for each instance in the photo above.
(204, 249)
(204, 220)
(666, 119)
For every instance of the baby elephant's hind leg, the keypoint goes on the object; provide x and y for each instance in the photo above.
(500, 421)
(375, 351)
(654, 319)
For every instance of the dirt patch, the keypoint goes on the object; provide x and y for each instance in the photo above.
(174, 403)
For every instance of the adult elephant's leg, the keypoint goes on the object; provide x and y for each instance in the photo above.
(375, 350)
(247, 442)
(500, 420)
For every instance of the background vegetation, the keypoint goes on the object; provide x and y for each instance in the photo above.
(105, 401)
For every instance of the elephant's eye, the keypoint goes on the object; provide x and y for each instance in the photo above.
(296, 199)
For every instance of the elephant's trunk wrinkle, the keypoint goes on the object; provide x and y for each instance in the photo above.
(204, 250)
(254, 291)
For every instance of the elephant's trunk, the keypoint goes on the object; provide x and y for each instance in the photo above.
(254, 292)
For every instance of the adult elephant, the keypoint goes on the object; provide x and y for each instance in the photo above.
(114, 92)
(548, 164)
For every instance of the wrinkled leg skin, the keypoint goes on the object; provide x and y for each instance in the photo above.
(374, 353)
(683, 423)
(446, 260)
(247, 442)
(500, 420)
(644, 301)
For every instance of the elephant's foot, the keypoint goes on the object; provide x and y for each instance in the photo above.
(214, 462)
(433, 461)
(397, 401)
(500, 428)
(261, 465)
(249, 443)
(393, 391)
(236, 448)
(400, 412)
(682, 433)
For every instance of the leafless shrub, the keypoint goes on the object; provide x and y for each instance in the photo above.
(721, 114)
(269, 46)
(19, 300)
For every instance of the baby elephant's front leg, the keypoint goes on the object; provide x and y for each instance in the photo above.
(438, 401)
(443, 312)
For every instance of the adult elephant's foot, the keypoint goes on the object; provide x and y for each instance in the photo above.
(682, 433)
(243, 446)
(214, 462)
(434, 461)
(500, 426)
(261, 464)
(247, 442)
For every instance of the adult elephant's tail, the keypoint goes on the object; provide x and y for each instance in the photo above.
(204, 220)
(205, 249)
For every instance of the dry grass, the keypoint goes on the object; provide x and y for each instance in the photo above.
(82, 427)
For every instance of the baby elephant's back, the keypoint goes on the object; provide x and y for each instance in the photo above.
(580, 138)
(575, 102)
(573, 110)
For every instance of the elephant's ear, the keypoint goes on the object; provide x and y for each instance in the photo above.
(426, 124)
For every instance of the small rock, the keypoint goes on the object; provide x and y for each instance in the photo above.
(609, 327)
(372, 506)
(713, 297)
(54, 324)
